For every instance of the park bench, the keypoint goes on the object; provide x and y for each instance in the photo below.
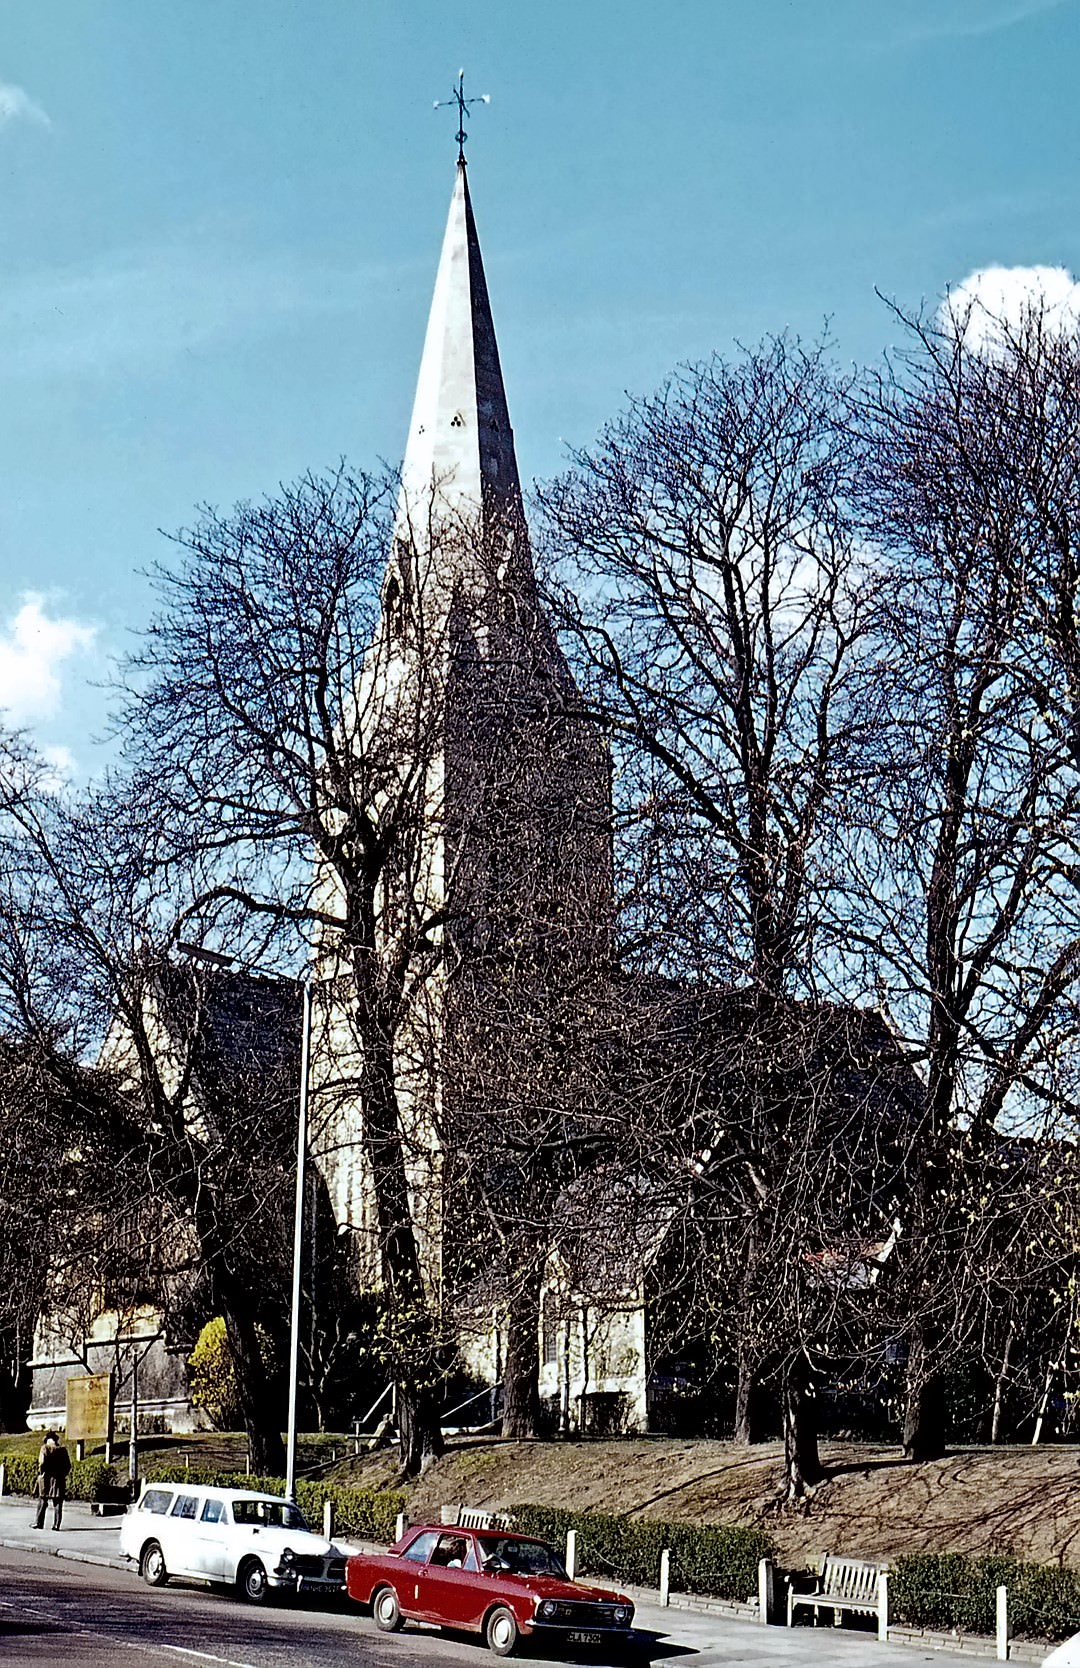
(844, 1584)
(471, 1517)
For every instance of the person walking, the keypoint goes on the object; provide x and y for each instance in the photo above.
(54, 1463)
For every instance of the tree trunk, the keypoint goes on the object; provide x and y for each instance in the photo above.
(748, 1422)
(999, 1385)
(924, 1408)
(802, 1463)
(521, 1371)
(254, 1383)
(420, 1438)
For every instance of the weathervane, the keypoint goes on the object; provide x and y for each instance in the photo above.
(464, 105)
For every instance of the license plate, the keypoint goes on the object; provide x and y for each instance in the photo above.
(577, 1636)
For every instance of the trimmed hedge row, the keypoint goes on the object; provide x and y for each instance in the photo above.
(710, 1559)
(365, 1514)
(951, 1590)
(89, 1479)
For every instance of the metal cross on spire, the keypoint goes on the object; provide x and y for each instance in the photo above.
(464, 105)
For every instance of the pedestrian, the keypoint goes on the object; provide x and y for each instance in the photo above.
(54, 1463)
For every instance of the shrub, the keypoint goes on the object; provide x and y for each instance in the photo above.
(366, 1514)
(89, 1479)
(711, 1559)
(213, 1376)
(950, 1590)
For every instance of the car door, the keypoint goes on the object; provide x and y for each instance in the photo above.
(208, 1536)
(411, 1582)
(177, 1541)
(451, 1581)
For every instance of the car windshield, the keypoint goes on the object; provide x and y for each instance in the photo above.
(272, 1514)
(521, 1557)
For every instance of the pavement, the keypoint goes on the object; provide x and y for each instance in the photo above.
(677, 1631)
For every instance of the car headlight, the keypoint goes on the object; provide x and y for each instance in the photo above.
(547, 1608)
(288, 1555)
(623, 1614)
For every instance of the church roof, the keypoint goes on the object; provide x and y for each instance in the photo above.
(459, 460)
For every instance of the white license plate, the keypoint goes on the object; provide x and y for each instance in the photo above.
(577, 1636)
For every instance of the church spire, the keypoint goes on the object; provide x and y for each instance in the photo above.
(460, 464)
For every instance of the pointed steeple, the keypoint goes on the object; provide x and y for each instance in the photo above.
(459, 460)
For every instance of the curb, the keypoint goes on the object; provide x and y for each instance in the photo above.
(71, 1555)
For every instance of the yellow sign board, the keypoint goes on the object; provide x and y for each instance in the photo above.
(90, 1408)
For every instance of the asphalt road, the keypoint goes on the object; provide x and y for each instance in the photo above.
(84, 1616)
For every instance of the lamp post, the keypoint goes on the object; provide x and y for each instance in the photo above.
(231, 962)
(298, 1243)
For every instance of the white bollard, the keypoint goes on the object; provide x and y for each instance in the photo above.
(571, 1553)
(328, 1519)
(399, 1526)
(1002, 1624)
(883, 1605)
(665, 1577)
(3, 1477)
(764, 1590)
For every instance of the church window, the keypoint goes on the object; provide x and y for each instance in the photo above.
(550, 1345)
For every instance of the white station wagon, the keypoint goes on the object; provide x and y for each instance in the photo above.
(255, 1542)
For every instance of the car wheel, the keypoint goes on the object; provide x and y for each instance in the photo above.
(501, 1632)
(152, 1565)
(386, 1610)
(252, 1582)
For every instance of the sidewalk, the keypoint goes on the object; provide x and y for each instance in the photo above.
(86, 1539)
(687, 1632)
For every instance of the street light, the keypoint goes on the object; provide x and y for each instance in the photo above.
(217, 960)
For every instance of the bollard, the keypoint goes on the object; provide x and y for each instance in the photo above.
(399, 1526)
(765, 1590)
(3, 1477)
(883, 1605)
(1002, 1624)
(665, 1577)
(571, 1553)
(80, 1449)
(328, 1519)
(247, 1463)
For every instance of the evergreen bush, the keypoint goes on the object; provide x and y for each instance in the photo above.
(712, 1559)
(949, 1590)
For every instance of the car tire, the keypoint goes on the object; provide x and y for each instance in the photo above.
(501, 1632)
(386, 1610)
(251, 1582)
(152, 1565)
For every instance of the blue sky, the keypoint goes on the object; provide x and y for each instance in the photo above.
(221, 221)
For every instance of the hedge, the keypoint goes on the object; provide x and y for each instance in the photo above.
(721, 1562)
(366, 1514)
(950, 1590)
(89, 1479)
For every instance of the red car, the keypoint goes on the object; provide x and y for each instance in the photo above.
(486, 1581)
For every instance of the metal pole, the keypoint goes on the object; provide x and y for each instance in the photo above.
(133, 1438)
(298, 1245)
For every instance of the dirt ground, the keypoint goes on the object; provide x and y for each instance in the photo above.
(1023, 1501)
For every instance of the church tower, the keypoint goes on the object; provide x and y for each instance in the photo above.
(509, 875)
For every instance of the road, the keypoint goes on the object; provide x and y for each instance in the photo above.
(89, 1616)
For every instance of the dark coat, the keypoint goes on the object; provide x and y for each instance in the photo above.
(54, 1463)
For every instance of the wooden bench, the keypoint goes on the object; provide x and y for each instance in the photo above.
(844, 1584)
(471, 1517)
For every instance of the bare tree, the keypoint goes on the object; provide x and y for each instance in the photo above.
(715, 595)
(966, 864)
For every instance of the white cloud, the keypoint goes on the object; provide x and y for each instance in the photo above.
(33, 648)
(995, 302)
(17, 105)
